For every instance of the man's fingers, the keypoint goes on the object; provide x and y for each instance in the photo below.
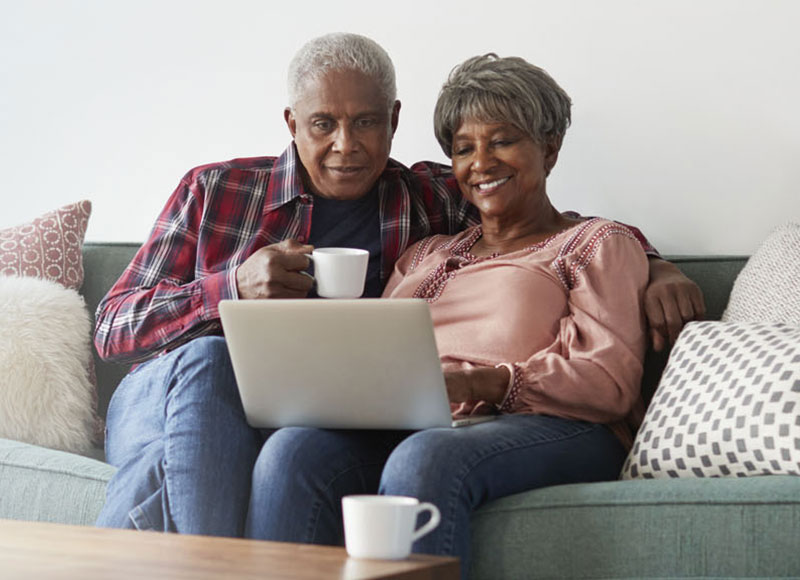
(698, 304)
(657, 339)
(654, 313)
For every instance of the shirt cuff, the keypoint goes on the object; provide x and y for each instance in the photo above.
(511, 389)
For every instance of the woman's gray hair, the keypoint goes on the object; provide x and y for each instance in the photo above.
(502, 90)
(341, 51)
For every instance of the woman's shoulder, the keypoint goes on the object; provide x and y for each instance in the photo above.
(591, 233)
(596, 241)
(440, 242)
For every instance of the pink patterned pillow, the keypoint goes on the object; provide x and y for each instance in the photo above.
(49, 247)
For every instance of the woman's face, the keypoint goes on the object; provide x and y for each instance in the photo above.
(500, 169)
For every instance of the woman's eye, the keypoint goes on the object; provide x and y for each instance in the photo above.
(461, 151)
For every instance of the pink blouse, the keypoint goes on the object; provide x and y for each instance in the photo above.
(565, 315)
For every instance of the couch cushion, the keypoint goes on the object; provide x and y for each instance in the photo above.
(51, 486)
(767, 288)
(48, 247)
(665, 528)
(47, 396)
(728, 405)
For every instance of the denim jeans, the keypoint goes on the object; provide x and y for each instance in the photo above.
(176, 431)
(302, 474)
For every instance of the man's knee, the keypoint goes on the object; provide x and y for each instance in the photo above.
(420, 459)
(202, 368)
(206, 350)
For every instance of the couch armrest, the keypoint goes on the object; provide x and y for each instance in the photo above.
(42, 484)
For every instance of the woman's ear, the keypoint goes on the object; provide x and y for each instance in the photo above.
(551, 149)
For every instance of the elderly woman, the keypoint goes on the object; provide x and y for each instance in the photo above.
(538, 318)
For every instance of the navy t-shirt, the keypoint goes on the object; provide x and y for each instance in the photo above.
(350, 224)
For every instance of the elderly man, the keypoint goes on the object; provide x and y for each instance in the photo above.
(238, 230)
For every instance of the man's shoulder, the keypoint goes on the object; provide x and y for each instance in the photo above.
(432, 169)
(245, 164)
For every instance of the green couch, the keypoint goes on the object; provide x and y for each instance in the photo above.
(620, 529)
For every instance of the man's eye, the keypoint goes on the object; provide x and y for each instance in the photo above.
(323, 125)
(365, 123)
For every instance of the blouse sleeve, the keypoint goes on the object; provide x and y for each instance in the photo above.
(593, 369)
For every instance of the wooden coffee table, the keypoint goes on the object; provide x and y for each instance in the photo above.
(47, 551)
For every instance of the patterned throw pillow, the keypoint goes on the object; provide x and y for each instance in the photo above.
(48, 247)
(728, 404)
(768, 287)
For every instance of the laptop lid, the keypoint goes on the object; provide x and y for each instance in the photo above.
(344, 364)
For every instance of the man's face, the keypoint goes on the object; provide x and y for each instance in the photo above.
(343, 130)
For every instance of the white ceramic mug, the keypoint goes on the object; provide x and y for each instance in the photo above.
(340, 272)
(384, 526)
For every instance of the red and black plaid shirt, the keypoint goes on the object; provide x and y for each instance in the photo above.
(223, 212)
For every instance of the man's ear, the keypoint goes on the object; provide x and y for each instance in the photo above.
(288, 116)
(395, 116)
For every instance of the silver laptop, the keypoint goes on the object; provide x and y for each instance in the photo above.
(344, 364)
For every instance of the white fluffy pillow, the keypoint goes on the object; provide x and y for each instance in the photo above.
(46, 396)
(768, 287)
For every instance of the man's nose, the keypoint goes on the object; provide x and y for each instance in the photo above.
(344, 140)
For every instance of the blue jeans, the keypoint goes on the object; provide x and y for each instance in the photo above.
(302, 474)
(176, 431)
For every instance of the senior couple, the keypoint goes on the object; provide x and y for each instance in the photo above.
(540, 316)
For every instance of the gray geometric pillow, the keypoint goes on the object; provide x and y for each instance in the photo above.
(768, 287)
(728, 404)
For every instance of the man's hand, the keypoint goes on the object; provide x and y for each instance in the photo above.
(670, 301)
(476, 384)
(276, 271)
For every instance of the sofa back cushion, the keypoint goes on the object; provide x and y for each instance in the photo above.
(103, 263)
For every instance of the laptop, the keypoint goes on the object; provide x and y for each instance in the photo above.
(339, 364)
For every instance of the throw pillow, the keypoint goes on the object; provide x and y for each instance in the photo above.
(767, 289)
(728, 404)
(48, 247)
(46, 396)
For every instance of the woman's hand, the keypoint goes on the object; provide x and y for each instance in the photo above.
(670, 301)
(477, 384)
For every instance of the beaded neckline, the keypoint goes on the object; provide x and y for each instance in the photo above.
(433, 285)
(463, 248)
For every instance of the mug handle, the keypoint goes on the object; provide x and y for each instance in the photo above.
(311, 258)
(431, 523)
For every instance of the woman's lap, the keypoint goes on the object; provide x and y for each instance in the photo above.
(461, 469)
(305, 472)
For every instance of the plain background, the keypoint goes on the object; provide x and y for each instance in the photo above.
(686, 117)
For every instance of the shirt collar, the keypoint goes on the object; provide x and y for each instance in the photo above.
(285, 182)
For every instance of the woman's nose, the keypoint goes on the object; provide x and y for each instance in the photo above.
(483, 160)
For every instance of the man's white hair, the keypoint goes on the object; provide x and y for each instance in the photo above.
(341, 51)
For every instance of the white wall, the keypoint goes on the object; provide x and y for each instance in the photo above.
(686, 118)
